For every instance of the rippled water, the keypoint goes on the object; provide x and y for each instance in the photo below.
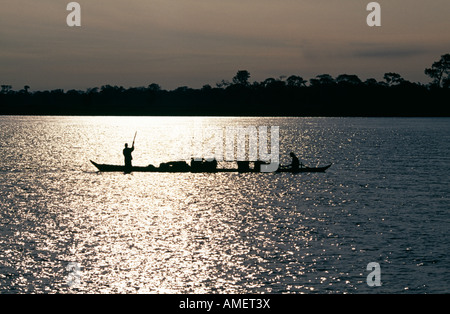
(385, 200)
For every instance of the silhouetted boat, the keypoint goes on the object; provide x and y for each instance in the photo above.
(184, 167)
(305, 169)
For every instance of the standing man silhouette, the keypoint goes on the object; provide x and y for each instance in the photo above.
(128, 158)
(127, 155)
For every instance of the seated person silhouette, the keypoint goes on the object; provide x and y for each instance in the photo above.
(295, 165)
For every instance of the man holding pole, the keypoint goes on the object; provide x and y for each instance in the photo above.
(127, 155)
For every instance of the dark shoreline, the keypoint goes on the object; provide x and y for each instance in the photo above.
(276, 99)
(345, 95)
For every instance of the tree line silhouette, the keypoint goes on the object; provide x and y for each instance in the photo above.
(323, 95)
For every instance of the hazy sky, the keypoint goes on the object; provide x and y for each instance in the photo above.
(195, 42)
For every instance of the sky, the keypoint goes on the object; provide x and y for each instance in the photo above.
(192, 43)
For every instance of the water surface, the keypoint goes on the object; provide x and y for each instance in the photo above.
(384, 200)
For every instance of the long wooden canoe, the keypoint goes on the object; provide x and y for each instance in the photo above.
(180, 167)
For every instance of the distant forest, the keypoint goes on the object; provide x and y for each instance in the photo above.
(344, 95)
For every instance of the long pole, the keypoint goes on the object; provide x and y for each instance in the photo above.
(134, 139)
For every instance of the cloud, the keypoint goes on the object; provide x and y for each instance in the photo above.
(390, 52)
